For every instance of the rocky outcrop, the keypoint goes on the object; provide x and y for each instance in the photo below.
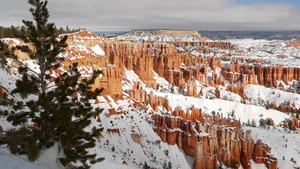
(84, 48)
(144, 69)
(85, 38)
(137, 138)
(155, 101)
(295, 43)
(143, 58)
(209, 141)
(191, 88)
(111, 81)
(259, 74)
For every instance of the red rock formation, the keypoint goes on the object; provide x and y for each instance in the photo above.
(295, 43)
(258, 155)
(85, 38)
(270, 122)
(111, 81)
(211, 143)
(113, 131)
(137, 138)
(217, 91)
(144, 69)
(140, 95)
(191, 88)
(201, 92)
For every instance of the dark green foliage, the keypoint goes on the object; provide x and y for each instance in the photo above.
(268, 106)
(220, 165)
(166, 152)
(167, 166)
(2, 141)
(146, 166)
(262, 123)
(21, 142)
(3, 48)
(234, 164)
(172, 89)
(291, 127)
(253, 123)
(17, 31)
(157, 87)
(248, 123)
(61, 111)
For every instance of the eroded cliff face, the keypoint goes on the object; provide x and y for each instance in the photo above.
(114, 56)
(259, 73)
(84, 48)
(210, 140)
(91, 50)
(178, 69)
(294, 43)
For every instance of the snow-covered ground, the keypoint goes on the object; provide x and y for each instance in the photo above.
(285, 144)
(269, 50)
(121, 148)
(257, 92)
(9, 161)
(144, 36)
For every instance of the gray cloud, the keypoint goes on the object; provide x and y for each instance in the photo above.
(102, 15)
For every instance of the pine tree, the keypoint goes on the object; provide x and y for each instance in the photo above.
(146, 166)
(253, 123)
(3, 48)
(262, 123)
(60, 107)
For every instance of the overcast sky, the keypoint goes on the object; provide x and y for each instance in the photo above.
(120, 15)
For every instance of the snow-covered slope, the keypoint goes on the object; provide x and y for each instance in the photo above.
(8, 161)
(285, 144)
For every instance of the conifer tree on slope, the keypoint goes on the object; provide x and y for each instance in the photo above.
(59, 108)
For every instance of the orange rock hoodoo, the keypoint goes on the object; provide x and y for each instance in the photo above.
(205, 137)
(179, 69)
(259, 74)
(208, 142)
(140, 95)
(81, 50)
(295, 43)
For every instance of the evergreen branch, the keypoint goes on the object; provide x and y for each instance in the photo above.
(23, 64)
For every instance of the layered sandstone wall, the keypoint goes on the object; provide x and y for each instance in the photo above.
(141, 95)
(259, 74)
(210, 143)
(111, 81)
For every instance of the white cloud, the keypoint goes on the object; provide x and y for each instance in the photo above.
(177, 14)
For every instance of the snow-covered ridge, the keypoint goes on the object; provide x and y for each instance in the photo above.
(152, 36)
(270, 51)
(80, 52)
